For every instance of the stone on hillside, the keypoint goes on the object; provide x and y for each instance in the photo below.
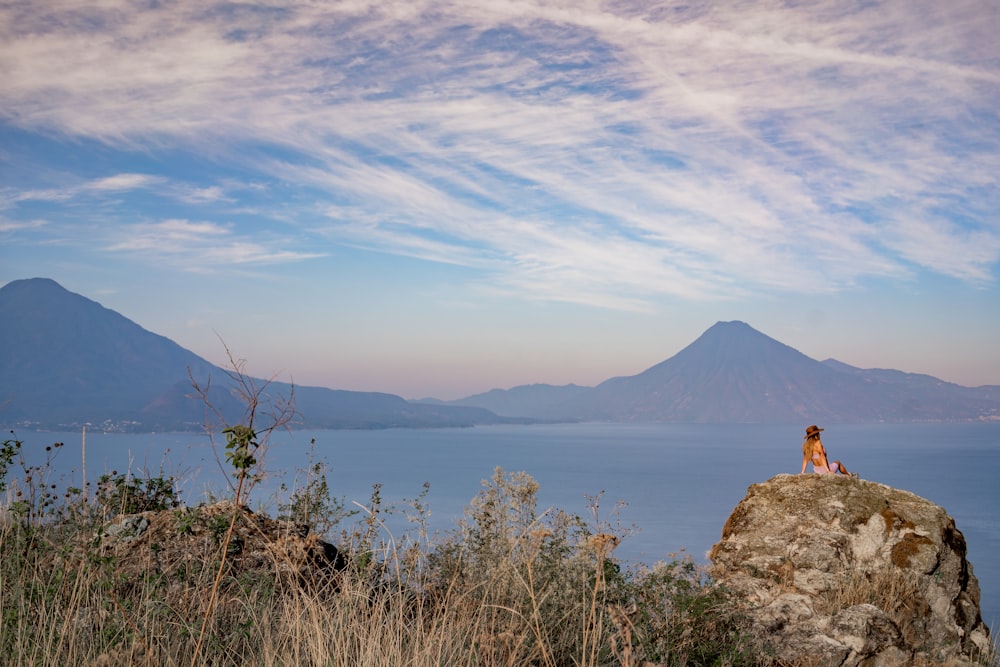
(180, 541)
(843, 571)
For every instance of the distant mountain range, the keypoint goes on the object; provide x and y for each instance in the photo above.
(66, 360)
(734, 373)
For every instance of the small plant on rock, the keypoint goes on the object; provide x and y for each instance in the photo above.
(244, 442)
(311, 504)
(127, 494)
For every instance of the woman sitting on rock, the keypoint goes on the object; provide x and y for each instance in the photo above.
(812, 450)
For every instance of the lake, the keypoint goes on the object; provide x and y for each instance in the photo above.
(678, 482)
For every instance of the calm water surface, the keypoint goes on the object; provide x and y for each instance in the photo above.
(679, 482)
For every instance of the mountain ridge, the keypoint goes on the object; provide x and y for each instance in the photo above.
(734, 373)
(66, 360)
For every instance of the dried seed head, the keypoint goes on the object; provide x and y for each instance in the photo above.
(603, 543)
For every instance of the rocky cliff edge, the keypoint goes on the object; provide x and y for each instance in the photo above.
(840, 571)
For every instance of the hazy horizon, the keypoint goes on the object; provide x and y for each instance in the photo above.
(436, 199)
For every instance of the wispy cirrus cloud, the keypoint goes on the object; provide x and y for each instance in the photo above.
(9, 226)
(93, 187)
(603, 153)
(109, 186)
(199, 246)
(121, 182)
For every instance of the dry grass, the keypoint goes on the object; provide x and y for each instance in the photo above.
(511, 587)
(896, 591)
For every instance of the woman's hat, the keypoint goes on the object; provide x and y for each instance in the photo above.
(812, 430)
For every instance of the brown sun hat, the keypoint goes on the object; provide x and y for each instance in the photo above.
(811, 431)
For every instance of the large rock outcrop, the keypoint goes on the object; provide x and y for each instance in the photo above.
(840, 571)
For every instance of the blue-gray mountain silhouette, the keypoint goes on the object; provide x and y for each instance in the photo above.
(734, 373)
(65, 360)
(537, 401)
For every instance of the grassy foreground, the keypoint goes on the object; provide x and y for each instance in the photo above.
(510, 586)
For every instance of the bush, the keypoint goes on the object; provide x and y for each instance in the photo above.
(681, 618)
(118, 493)
(311, 503)
(9, 450)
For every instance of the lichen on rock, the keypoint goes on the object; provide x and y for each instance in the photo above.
(844, 571)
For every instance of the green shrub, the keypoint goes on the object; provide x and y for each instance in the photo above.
(119, 493)
(311, 504)
(9, 450)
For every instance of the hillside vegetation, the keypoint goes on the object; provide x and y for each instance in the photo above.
(127, 574)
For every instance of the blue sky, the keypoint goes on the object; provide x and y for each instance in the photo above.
(437, 198)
